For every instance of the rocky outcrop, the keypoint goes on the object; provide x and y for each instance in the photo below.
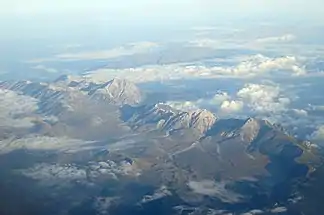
(199, 120)
(250, 130)
(168, 119)
(118, 91)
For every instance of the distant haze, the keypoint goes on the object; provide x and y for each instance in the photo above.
(125, 11)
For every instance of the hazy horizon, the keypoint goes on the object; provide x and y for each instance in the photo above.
(166, 11)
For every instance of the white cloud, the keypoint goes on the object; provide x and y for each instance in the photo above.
(63, 144)
(259, 64)
(45, 69)
(112, 169)
(300, 112)
(55, 172)
(217, 100)
(183, 105)
(16, 110)
(279, 210)
(158, 194)
(250, 99)
(128, 49)
(206, 43)
(217, 189)
(19, 111)
(277, 39)
(263, 98)
(216, 43)
(316, 107)
(64, 173)
(247, 67)
(226, 39)
(253, 212)
(318, 134)
(232, 106)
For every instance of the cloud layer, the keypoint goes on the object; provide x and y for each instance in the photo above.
(16, 110)
(277, 39)
(261, 99)
(61, 174)
(217, 100)
(211, 188)
(248, 67)
(128, 49)
(40, 143)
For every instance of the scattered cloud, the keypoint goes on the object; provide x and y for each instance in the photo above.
(19, 111)
(217, 189)
(183, 105)
(232, 106)
(300, 112)
(247, 67)
(210, 38)
(202, 41)
(279, 210)
(260, 64)
(250, 99)
(45, 69)
(318, 134)
(316, 107)
(158, 194)
(263, 98)
(16, 110)
(65, 173)
(253, 212)
(55, 172)
(112, 169)
(277, 39)
(128, 49)
(217, 100)
(63, 144)
(266, 100)
(206, 43)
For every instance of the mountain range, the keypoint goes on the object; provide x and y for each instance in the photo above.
(99, 148)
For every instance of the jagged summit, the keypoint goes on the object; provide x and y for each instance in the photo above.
(168, 119)
(250, 130)
(200, 120)
(118, 91)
